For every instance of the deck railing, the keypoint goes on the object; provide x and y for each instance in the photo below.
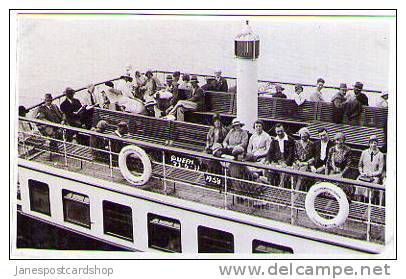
(182, 173)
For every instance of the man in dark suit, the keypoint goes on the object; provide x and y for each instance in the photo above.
(50, 112)
(320, 150)
(281, 152)
(72, 108)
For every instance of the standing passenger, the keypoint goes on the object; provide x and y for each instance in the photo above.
(317, 96)
(338, 102)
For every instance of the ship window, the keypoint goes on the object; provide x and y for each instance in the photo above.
(259, 246)
(39, 197)
(214, 241)
(164, 233)
(117, 220)
(76, 208)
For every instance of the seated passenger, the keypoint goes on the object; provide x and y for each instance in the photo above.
(383, 102)
(279, 93)
(90, 99)
(221, 82)
(184, 88)
(215, 136)
(117, 145)
(176, 77)
(72, 108)
(317, 96)
(236, 139)
(194, 103)
(303, 155)
(338, 102)
(339, 159)
(125, 85)
(120, 102)
(150, 87)
(299, 98)
(139, 81)
(241, 172)
(258, 144)
(50, 112)
(321, 149)
(27, 130)
(371, 167)
(173, 89)
(211, 84)
(163, 103)
(281, 153)
(98, 143)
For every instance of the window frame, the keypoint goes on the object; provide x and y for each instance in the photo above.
(172, 228)
(72, 200)
(285, 249)
(210, 230)
(32, 183)
(130, 224)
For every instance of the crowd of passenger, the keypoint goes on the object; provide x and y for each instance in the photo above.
(326, 156)
(144, 94)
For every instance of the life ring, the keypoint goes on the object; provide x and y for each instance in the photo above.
(338, 194)
(146, 162)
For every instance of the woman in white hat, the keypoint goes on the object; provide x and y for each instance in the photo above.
(339, 159)
(236, 138)
(303, 155)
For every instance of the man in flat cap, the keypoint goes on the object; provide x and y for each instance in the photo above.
(353, 106)
(317, 96)
(211, 84)
(338, 102)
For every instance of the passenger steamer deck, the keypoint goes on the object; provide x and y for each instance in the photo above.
(366, 221)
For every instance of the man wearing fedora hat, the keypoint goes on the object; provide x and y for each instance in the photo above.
(194, 103)
(338, 102)
(353, 106)
(211, 84)
(278, 93)
(236, 139)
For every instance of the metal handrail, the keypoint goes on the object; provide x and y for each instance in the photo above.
(209, 157)
(273, 82)
(77, 90)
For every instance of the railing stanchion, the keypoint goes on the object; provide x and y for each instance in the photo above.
(164, 170)
(369, 214)
(292, 200)
(64, 147)
(111, 159)
(225, 188)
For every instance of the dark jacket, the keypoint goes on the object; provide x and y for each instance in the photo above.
(222, 85)
(362, 99)
(198, 98)
(53, 114)
(279, 95)
(275, 155)
(68, 108)
(316, 150)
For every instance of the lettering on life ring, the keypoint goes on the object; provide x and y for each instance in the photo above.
(338, 194)
(146, 162)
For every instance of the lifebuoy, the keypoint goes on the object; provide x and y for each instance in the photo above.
(338, 194)
(146, 162)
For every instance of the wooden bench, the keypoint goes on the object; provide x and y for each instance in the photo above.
(176, 133)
